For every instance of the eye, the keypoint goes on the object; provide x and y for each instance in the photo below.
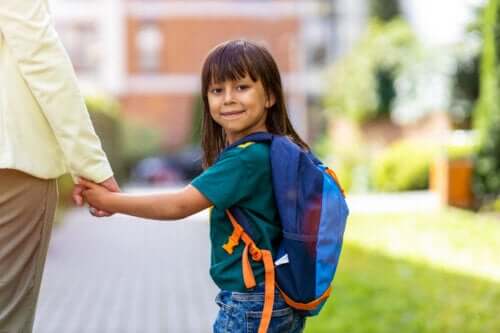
(242, 87)
(216, 91)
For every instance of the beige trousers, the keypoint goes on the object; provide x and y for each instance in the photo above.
(27, 207)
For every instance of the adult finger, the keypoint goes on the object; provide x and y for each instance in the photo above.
(77, 195)
(111, 184)
(102, 213)
(88, 184)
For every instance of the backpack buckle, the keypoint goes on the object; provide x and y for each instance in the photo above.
(233, 240)
(255, 252)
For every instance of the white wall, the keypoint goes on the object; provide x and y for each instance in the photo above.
(439, 22)
(108, 17)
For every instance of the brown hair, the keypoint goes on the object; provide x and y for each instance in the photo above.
(233, 60)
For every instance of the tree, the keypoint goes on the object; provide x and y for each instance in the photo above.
(487, 114)
(385, 10)
(361, 84)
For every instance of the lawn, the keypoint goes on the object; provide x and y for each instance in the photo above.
(401, 273)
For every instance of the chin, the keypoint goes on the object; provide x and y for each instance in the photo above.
(234, 129)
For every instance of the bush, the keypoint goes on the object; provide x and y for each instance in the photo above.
(403, 167)
(104, 113)
(138, 142)
(124, 141)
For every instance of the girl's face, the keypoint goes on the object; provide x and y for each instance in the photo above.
(239, 107)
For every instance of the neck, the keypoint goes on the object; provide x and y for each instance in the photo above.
(233, 137)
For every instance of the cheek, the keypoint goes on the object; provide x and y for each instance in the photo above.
(213, 105)
(256, 101)
(210, 102)
(214, 114)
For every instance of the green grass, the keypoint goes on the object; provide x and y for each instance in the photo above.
(416, 273)
(450, 240)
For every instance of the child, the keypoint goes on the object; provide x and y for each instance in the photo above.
(242, 94)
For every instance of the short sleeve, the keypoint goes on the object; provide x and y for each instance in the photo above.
(224, 183)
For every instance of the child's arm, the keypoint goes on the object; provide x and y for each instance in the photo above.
(161, 206)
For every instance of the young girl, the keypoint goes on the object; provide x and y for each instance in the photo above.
(242, 94)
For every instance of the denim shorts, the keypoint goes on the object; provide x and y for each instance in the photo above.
(240, 312)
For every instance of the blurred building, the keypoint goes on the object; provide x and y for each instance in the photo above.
(149, 53)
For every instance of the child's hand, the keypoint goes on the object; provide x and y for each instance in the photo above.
(95, 195)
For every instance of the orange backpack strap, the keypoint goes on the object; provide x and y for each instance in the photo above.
(267, 312)
(306, 306)
(248, 277)
(335, 178)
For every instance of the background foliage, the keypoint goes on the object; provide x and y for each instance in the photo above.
(125, 142)
(361, 84)
(487, 113)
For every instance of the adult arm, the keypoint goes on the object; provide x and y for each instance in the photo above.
(28, 32)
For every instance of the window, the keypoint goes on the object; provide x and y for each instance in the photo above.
(149, 43)
(82, 44)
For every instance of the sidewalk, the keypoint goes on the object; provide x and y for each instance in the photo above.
(123, 275)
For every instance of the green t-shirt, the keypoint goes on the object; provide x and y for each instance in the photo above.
(242, 178)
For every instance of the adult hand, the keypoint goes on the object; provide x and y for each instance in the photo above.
(76, 194)
(97, 196)
(110, 184)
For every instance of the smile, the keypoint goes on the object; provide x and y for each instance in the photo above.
(231, 114)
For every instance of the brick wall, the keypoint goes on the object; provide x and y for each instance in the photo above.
(170, 113)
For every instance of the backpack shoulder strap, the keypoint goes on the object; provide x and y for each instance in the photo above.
(248, 277)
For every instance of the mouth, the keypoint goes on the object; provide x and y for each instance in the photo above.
(231, 114)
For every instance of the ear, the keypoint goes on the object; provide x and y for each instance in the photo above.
(270, 101)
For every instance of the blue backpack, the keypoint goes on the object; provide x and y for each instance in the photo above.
(313, 212)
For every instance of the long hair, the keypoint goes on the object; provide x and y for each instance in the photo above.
(233, 60)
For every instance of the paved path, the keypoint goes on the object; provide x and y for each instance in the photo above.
(124, 275)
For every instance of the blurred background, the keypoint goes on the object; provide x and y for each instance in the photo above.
(400, 98)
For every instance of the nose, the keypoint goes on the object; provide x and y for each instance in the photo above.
(228, 96)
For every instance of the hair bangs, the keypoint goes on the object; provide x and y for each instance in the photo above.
(229, 62)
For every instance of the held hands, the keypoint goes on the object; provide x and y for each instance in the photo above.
(94, 194)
